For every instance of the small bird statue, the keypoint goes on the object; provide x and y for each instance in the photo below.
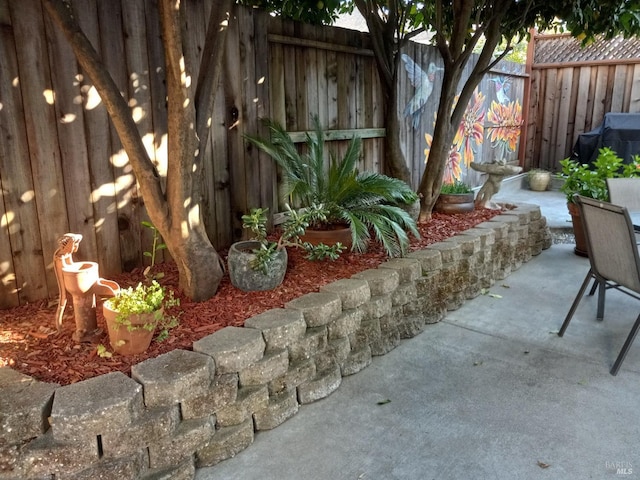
(503, 87)
(423, 83)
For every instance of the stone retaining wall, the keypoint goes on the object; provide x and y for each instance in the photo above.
(189, 409)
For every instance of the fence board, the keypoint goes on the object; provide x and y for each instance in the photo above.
(37, 97)
(634, 101)
(73, 147)
(600, 91)
(563, 114)
(267, 188)
(618, 87)
(584, 78)
(137, 63)
(236, 114)
(103, 141)
(21, 272)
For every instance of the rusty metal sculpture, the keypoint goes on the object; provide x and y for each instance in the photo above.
(82, 281)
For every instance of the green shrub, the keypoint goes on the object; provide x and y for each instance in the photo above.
(456, 187)
(367, 202)
(292, 229)
(591, 180)
(145, 298)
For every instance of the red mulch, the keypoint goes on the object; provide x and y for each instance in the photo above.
(30, 344)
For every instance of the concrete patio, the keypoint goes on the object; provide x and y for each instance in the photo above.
(491, 392)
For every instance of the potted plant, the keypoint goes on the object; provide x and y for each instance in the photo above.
(367, 202)
(260, 263)
(456, 197)
(591, 181)
(134, 314)
(539, 179)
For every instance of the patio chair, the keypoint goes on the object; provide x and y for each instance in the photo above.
(614, 259)
(626, 193)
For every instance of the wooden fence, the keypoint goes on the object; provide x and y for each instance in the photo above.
(62, 166)
(571, 90)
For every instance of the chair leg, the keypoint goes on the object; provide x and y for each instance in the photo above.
(602, 288)
(594, 287)
(574, 306)
(625, 347)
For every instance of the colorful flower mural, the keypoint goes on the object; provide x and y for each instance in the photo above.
(505, 132)
(469, 135)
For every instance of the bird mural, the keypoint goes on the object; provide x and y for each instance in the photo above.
(503, 87)
(423, 83)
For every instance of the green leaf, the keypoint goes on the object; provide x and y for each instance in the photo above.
(102, 352)
(384, 402)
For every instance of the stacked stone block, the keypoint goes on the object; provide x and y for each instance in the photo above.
(188, 409)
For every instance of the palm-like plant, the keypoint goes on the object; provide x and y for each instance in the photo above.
(367, 202)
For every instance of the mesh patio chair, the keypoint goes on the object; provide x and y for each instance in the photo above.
(625, 192)
(614, 260)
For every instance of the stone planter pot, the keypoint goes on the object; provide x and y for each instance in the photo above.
(454, 203)
(578, 230)
(244, 277)
(329, 236)
(129, 340)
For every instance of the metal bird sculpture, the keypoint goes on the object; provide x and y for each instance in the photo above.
(423, 83)
(503, 87)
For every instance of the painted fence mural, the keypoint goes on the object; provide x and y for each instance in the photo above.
(492, 124)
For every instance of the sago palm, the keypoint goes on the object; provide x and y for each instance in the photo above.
(367, 202)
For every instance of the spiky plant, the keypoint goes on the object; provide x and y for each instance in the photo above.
(367, 202)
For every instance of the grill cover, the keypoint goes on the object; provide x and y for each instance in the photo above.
(619, 131)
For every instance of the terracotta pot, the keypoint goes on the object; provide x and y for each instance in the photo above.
(578, 230)
(454, 203)
(244, 277)
(125, 340)
(333, 234)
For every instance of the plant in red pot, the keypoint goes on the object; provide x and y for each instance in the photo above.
(135, 314)
(590, 180)
(366, 205)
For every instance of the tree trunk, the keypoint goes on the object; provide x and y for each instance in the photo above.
(199, 265)
(386, 48)
(395, 164)
(443, 135)
(449, 117)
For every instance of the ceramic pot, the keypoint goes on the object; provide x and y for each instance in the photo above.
(578, 230)
(333, 234)
(454, 203)
(539, 181)
(244, 277)
(129, 340)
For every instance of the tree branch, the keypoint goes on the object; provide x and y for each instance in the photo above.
(210, 69)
